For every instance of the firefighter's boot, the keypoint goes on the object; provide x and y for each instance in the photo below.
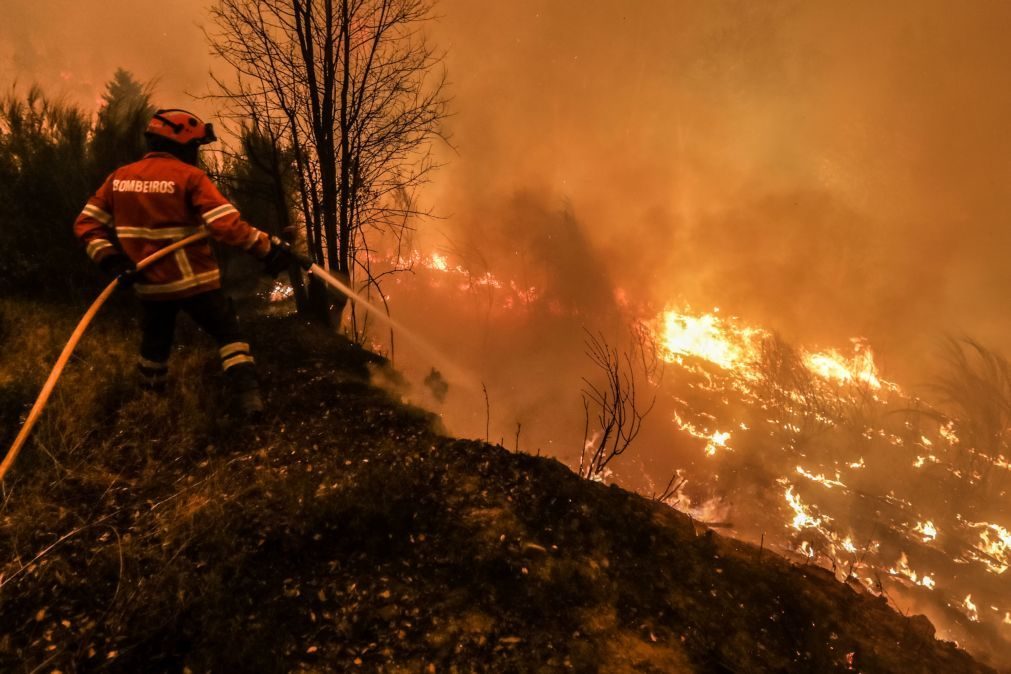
(153, 375)
(243, 390)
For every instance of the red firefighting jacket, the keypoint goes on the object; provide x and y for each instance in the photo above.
(145, 206)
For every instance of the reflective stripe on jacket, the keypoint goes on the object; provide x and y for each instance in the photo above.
(144, 206)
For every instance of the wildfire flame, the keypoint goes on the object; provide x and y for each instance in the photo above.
(708, 337)
(834, 366)
(714, 441)
(717, 439)
(995, 544)
(803, 519)
(903, 569)
(971, 609)
(927, 530)
(734, 346)
(729, 386)
(821, 479)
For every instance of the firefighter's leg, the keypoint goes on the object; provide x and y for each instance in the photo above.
(158, 327)
(214, 312)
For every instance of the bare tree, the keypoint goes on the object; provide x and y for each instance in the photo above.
(356, 91)
(669, 494)
(615, 406)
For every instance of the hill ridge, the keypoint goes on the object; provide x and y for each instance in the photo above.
(347, 533)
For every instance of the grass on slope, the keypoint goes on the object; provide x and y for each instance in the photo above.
(345, 533)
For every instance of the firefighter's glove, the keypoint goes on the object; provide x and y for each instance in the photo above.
(278, 258)
(121, 267)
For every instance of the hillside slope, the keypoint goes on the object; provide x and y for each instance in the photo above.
(345, 533)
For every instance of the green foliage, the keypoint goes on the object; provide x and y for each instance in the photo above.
(118, 136)
(53, 155)
(262, 183)
(43, 185)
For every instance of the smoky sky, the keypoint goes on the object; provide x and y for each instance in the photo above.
(828, 169)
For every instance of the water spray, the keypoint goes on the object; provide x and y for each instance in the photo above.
(444, 363)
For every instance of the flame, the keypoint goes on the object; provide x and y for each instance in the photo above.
(971, 609)
(903, 569)
(710, 338)
(927, 530)
(802, 518)
(995, 544)
(438, 262)
(833, 366)
(717, 439)
(516, 295)
(848, 546)
(948, 433)
(737, 347)
(820, 479)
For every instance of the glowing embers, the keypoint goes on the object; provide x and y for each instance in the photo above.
(903, 570)
(280, 291)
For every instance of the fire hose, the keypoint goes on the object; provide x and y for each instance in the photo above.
(68, 350)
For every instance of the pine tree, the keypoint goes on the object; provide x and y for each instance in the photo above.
(118, 137)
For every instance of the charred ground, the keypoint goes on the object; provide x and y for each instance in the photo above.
(346, 532)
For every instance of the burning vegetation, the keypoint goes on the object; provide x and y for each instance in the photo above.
(815, 453)
(873, 482)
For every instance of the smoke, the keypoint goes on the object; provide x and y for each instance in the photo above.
(73, 48)
(828, 170)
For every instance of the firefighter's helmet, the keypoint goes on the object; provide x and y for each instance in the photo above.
(182, 127)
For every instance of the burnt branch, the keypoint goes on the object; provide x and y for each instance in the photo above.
(614, 408)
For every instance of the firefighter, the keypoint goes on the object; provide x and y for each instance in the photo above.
(163, 198)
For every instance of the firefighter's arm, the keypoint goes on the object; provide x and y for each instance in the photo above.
(223, 219)
(92, 227)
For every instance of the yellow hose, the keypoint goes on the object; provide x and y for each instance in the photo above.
(61, 362)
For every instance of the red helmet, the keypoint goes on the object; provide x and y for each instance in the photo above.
(181, 127)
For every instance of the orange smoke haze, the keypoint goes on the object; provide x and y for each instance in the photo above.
(828, 170)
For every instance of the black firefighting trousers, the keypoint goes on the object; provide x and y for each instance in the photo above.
(214, 313)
